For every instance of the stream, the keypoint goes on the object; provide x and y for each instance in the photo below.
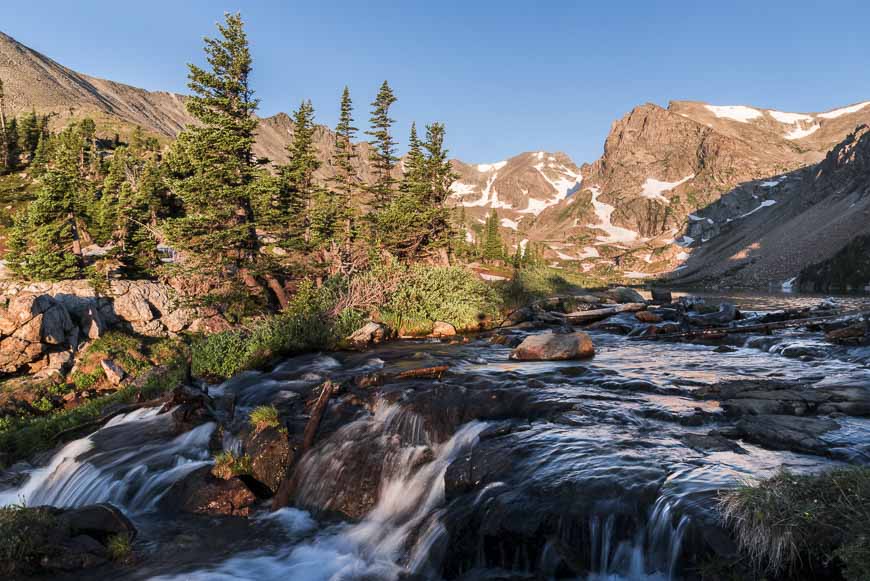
(500, 470)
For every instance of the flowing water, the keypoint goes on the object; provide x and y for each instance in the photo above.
(556, 469)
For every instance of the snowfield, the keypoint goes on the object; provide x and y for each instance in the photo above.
(844, 111)
(615, 234)
(739, 113)
(653, 188)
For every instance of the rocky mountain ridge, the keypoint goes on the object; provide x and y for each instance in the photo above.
(638, 209)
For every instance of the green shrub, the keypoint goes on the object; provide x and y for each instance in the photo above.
(23, 534)
(532, 284)
(791, 521)
(119, 547)
(227, 465)
(264, 416)
(450, 294)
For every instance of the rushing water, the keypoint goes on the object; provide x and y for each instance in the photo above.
(538, 467)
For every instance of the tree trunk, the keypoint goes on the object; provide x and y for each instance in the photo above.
(278, 290)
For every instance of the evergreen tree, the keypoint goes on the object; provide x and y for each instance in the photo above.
(492, 247)
(44, 242)
(42, 155)
(214, 163)
(438, 171)
(383, 155)
(346, 180)
(28, 135)
(414, 178)
(6, 162)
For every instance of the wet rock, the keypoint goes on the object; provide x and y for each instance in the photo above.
(648, 317)
(779, 432)
(661, 296)
(851, 335)
(190, 407)
(270, 454)
(726, 313)
(724, 349)
(507, 340)
(712, 442)
(554, 347)
(99, 521)
(623, 294)
(442, 329)
(114, 373)
(202, 493)
(368, 334)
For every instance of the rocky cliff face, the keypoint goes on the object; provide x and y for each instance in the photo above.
(764, 233)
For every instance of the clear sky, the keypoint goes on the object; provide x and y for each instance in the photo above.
(505, 76)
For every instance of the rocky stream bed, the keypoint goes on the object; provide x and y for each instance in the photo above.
(480, 466)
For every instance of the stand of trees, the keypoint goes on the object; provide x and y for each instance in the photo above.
(227, 213)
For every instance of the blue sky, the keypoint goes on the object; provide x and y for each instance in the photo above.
(505, 77)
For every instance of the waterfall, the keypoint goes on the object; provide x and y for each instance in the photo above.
(652, 554)
(138, 463)
(379, 546)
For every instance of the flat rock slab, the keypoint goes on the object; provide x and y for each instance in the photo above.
(554, 347)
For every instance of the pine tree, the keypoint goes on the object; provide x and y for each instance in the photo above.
(42, 155)
(438, 170)
(414, 177)
(5, 153)
(44, 242)
(214, 160)
(492, 245)
(383, 155)
(28, 135)
(346, 180)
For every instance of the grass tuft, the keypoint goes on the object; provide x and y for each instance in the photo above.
(264, 416)
(227, 465)
(119, 547)
(791, 521)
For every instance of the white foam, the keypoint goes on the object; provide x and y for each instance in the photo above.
(739, 113)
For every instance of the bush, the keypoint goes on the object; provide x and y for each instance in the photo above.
(23, 534)
(791, 521)
(450, 294)
(531, 284)
(227, 465)
(264, 416)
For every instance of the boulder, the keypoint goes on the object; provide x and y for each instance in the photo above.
(661, 296)
(270, 454)
(210, 325)
(648, 317)
(442, 329)
(554, 347)
(368, 334)
(114, 373)
(133, 307)
(847, 335)
(623, 294)
(726, 313)
(779, 432)
(202, 493)
(99, 521)
(91, 323)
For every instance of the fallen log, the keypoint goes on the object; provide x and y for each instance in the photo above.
(317, 410)
(601, 314)
(374, 379)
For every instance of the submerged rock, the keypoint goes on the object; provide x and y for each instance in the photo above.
(779, 432)
(202, 493)
(554, 347)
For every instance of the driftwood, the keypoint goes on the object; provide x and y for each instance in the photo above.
(601, 314)
(326, 392)
(374, 379)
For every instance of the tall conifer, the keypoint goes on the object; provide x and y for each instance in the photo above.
(383, 155)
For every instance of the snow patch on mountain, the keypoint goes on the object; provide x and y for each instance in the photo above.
(800, 133)
(789, 118)
(764, 204)
(739, 113)
(488, 167)
(508, 223)
(653, 188)
(486, 195)
(459, 189)
(843, 111)
(615, 234)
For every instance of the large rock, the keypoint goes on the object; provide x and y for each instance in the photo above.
(623, 294)
(270, 454)
(368, 334)
(554, 347)
(202, 493)
(442, 329)
(726, 313)
(779, 432)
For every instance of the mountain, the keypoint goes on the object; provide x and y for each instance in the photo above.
(635, 208)
(670, 180)
(33, 81)
(764, 234)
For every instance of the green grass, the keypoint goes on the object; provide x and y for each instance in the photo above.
(119, 547)
(532, 284)
(264, 416)
(789, 522)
